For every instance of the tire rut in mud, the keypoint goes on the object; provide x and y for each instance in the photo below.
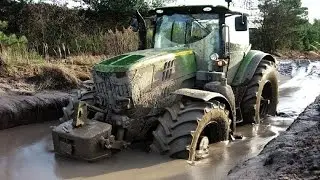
(292, 155)
(22, 110)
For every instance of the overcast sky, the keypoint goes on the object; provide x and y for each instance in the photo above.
(312, 5)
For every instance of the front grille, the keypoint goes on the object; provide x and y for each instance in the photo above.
(109, 87)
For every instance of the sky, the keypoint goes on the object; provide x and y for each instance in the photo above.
(313, 6)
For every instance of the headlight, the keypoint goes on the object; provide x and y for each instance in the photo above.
(214, 57)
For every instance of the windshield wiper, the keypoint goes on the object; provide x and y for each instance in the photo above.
(202, 27)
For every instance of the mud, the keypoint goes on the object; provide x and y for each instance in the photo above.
(293, 155)
(18, 110)
(299, 87)
(27, 152)
(12, 86)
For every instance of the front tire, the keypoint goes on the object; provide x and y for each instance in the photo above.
(261, 96)
(183, 126)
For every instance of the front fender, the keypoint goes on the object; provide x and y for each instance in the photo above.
(207, 96)
(249, 65)
(198, 94)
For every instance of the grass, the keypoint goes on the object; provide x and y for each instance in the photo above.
(57, 74)
(52, 76)
(64, 69)
(119, 42)
(108, 43)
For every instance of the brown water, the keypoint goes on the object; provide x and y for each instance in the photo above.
(26, 152)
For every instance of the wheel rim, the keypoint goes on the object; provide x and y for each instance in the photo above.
(197, 136)
(199, 146)
(264, 107)
(265, 100)
(203, 148)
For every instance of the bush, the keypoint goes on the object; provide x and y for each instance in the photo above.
(59, 31)
(14, 50)
(120, 42)
(56, 77)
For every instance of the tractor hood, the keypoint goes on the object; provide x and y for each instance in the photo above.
(142, 79)
(139, 59)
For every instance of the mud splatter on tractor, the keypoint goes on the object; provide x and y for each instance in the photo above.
(198, 81)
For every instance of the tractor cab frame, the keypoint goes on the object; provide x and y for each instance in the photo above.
(216, 34)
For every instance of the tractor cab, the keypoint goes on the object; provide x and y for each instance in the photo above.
(214, 33)
(190, 27)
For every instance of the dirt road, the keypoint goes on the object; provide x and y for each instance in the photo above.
(26, 152)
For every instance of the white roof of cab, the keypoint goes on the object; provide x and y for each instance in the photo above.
(220, 3)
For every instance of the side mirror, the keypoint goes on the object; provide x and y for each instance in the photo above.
(241, 23)
(142, 30)
(134, 24)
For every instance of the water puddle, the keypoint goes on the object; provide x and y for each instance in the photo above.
(301, 89)
(26, 151)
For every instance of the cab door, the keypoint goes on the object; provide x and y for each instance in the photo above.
(239, 46)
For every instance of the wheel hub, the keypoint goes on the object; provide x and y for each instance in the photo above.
(203, 150)
(264, 106)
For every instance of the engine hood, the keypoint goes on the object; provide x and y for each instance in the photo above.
(139, 59)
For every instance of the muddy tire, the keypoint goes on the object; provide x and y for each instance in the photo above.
(182, 125)
(261, 96)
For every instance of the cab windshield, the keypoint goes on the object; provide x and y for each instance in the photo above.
(186, 30)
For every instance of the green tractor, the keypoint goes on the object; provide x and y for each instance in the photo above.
(199, 80)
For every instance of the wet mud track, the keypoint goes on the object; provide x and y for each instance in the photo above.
(26, 152)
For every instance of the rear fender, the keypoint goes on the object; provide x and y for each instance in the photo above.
(208, 96)
(249, 65)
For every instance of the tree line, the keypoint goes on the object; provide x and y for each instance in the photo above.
(57, 30)
(284, 25)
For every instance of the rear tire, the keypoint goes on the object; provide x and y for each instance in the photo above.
(261, 96)
(182, 125)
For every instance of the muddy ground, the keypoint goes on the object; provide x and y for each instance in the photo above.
(26, 151)
(16, 110)
(295, 154)
(21, 104)
(302, 55)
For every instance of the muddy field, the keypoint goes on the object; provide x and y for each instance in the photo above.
(293, 155)
(27, 151)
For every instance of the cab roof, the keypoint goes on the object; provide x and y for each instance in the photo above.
(201, 9)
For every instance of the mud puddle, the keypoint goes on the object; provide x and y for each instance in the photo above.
(300, 88)
(26, 151)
